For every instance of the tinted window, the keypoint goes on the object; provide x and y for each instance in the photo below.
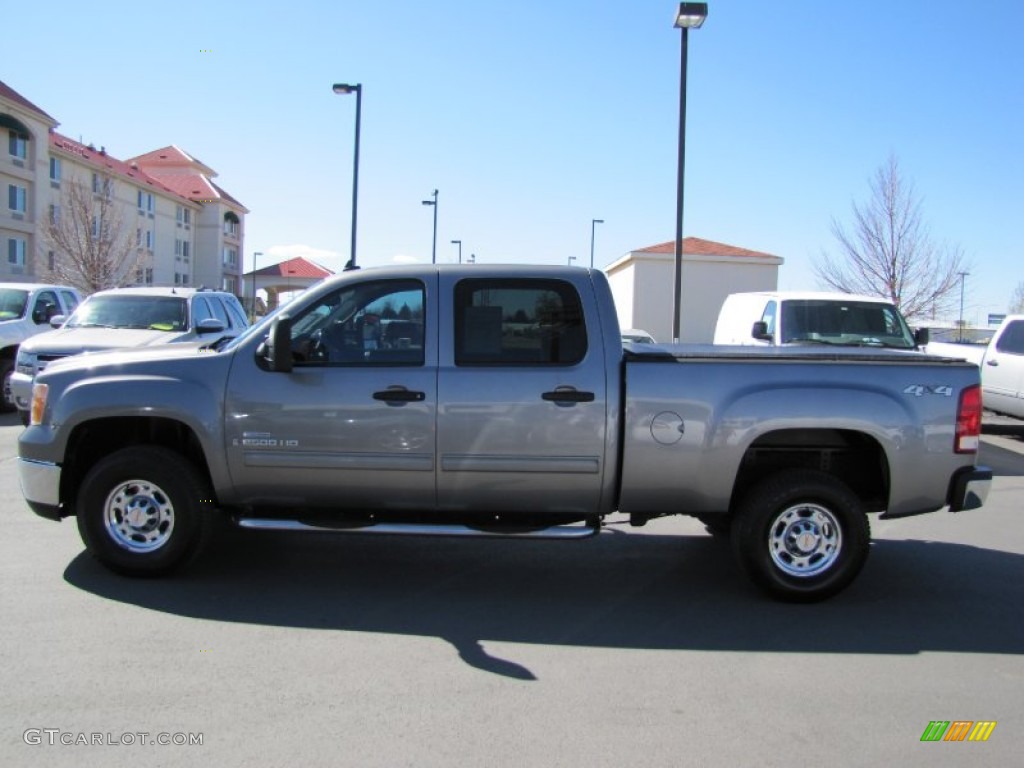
(200, 310)
(46, 306)
(768, 316)
(1012, 338)
(518, 322)
(236, 312)
(372, 323)
(70, 301)
(156, 313)
(218, 310)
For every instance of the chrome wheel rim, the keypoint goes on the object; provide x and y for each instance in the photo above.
(139, 516)
(805, 540)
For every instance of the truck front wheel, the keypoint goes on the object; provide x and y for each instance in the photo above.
(144, 510)
(801, 536)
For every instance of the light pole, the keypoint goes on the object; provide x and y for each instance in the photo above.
(357, 89)
(961, 323)
(690, 16)
(458, 243)
(592, 223)
(253, 313)
(433, 249)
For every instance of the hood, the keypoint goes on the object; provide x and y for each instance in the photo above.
(118, 359)
(72, 341)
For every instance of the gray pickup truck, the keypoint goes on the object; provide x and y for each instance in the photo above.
(498, 401)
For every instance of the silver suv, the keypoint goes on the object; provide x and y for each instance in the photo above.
(127, 318)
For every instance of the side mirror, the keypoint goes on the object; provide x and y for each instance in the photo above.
(57, 321)
(921, 336)
(760, 331)
(276, 351)
(209, 325)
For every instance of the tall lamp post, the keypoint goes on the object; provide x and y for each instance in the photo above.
(357, 89)
(253, 313)
(592, 223)
(961, 322)
(690, 16)
(433, 249)
(458, 243)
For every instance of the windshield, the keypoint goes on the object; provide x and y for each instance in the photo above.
(154, 313)
(12, 303)
(846, 323)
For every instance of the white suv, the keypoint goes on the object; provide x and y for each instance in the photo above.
(26, 310)
(128, 318)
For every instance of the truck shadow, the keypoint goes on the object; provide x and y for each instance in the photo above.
(621, 591)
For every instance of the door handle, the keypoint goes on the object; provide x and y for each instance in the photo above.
(992, 362)
(568, 395)
(399, 395)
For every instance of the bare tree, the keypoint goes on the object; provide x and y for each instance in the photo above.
(92, 248)
(1017, 300)
(889, 251)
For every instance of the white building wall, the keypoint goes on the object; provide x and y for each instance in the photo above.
(647, 278)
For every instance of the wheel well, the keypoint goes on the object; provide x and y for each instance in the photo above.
(94, 440)
(853, 457)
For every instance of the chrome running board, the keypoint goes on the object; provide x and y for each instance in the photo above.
(413, 529)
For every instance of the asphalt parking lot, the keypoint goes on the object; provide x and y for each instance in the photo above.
(642, 647)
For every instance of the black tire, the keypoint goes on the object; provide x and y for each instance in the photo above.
(144, 511)
(25, 416)
(801, 536)
(6, 399)
(718, 526)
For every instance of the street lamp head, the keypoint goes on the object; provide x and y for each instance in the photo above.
(597, 221)
(343, 88)
(690, 15)
(456, 242)
(429, 202)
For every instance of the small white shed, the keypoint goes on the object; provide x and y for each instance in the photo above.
(641, 283)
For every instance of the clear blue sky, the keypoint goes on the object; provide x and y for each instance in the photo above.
(534, 117)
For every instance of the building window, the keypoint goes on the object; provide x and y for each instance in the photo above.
(188, 217)
(149, 275)
(51, 260)
(185, 248)
(54, 169)
(184, 278)
(17, 144)
(149, 239)
(145, 201)
(231, 224)
(16, 248)
(95, 226)
(54, 214)
(230, 257)
(138, 238)
(16, 198)
(96, 184)
(177, 247)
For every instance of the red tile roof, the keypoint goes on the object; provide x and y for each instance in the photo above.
(173, 157)
(297, 267)
(185, 174)
(697, 245)
(9, 93)
(99, 159)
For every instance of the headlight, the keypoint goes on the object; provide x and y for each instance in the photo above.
(26, 363)
(39, 394)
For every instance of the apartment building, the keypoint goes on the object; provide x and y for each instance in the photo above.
(182, 228)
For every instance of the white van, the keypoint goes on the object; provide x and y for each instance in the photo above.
(776, 318)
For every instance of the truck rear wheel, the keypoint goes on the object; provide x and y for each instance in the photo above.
(144, 511)
(801, 536)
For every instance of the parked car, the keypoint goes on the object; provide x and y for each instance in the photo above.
(1001, 362)
(128, 318)
(779, 318)
(475, 429)
(25, 311)
(637, 336)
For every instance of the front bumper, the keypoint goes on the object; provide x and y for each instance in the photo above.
(969, 488)
(40, 484)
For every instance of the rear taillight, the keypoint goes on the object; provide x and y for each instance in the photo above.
(968, 421)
